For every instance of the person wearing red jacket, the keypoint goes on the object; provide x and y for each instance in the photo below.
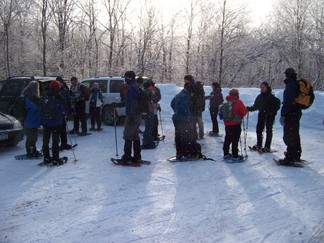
(232, 112)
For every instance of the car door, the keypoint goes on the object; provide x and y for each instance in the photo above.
(115, 87)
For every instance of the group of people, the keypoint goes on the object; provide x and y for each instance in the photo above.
(50, 111)
(232, 111)
(140, 99)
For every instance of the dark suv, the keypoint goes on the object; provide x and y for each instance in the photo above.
(12, 87)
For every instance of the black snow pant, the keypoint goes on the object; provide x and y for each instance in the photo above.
(31, 139)
(80, 116)
(232, 136)
(156, 127)
(55, 132)
(264, 121)
(291, 137)
(213, 116)
(95, 116)
(63, 133)
(183, 136)
(131, 137)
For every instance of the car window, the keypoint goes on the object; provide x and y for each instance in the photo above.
(13, 87)
(115, 86)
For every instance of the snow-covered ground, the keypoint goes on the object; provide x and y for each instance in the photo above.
(202, 201)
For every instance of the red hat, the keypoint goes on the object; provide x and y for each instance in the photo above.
(55, 85)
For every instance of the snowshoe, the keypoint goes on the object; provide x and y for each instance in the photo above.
(28, 156)
(255, 148)
(288, 163)
(122, 162)
(238, 159)
(66, 147)
(159, 139)
(143, 162)
(268, 150)
(52, 162)
(82, 134)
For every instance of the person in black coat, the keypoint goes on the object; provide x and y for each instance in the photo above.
(290, 119)
(267, 105)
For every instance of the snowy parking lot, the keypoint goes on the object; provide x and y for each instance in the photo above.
(202, 201)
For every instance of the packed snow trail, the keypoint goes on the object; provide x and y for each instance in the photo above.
(201, 201)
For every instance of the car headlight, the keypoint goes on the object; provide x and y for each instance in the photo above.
(17, 124)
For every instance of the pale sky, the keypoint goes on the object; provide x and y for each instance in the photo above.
(259, 9)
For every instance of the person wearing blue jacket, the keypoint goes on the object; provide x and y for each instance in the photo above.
(183, 120)
(32, 118)
(96, 102)
(290, 119)
(132, 121)
(53, 111)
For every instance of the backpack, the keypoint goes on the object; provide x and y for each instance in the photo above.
(19, 108)
(48, 107)
(123, 91)
(306, 94)
(144, 99)
(226, 112)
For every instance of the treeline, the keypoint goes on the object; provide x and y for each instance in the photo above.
(211, 39)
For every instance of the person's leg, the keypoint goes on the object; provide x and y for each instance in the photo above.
(98, 118)
(149, 124)
(292, 138)
(269, 126)
(55, 142)
(228, 140)
(63, 133)
(236, 134)
(260, 128)
(92, 116)
(177, 138)
(76, 119)
(137, 150)
(31, 139)
(46, 139)
(156, 127)
(83, 117)
(201, 126)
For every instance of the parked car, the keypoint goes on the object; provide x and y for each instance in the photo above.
(110, 88)
(11, 88)
(11, 130)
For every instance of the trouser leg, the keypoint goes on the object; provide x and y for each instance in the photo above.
(63, 132)
(46, 139)
(236, 135)
(260, 128)
(55, 142)
(228, 140)
(137, 150)
(98, 118)
(269, 126)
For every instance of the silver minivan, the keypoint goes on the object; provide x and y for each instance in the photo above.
(110, 88)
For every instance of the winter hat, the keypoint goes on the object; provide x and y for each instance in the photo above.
(60, 79)
(139, 80)
(95, 86)
(189, 78)
(266, 84)
(190, 87)
(130, 75)
(290, 72)
(234, 92)
(55, 85)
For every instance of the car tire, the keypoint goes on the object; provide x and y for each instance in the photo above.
(108, 116)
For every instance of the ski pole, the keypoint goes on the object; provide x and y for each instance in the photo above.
(115, 121)
(67, 128)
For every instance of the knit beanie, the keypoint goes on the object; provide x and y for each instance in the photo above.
(55, 85)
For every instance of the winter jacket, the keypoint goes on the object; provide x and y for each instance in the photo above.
(238, 109)
(265, 102)
(198, 100)
(182, 106)
(64, 92)
(216, 99)
(53, 109)
(156, 95)
(132, 100)
(32, 111)
(290, 94)
(96, 98)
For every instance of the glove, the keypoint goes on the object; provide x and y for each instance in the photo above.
(158, 107)
(249, 108)
(282, 121)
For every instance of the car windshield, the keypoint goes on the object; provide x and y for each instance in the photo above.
(13, 87)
